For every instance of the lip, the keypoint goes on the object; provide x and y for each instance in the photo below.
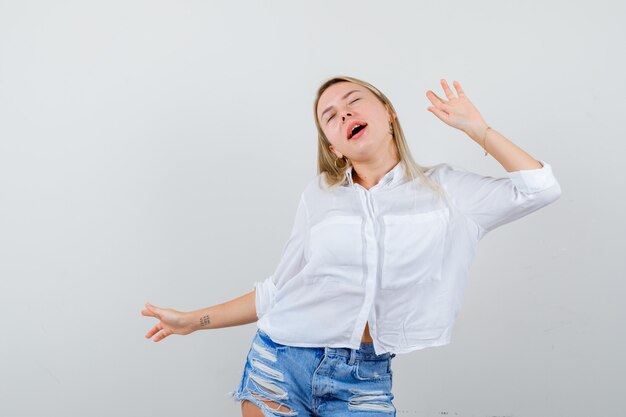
(351, 125)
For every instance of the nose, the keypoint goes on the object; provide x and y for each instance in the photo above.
(347, 114)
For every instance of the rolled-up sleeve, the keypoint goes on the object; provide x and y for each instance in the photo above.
(491, 202)
(291, 262)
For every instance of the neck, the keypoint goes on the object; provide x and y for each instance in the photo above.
(368, 174)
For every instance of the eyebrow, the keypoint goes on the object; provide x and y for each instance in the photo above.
(344, 96)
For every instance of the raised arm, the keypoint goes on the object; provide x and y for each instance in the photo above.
(460, 113)
(490, 202)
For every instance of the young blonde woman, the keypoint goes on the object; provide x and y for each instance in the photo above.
(377, 260)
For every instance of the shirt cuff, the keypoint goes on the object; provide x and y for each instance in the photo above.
(265, 291)
(533, 180)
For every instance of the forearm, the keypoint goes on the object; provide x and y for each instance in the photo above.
(238, 311)
(508, 154)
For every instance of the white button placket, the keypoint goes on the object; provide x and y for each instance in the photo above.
(371, 253)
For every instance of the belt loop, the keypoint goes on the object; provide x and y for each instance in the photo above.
(352, 356)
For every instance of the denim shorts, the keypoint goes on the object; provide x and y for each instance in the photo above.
(316, 381)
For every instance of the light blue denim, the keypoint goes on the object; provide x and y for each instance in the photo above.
(316, 381)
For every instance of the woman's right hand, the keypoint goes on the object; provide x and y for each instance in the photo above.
(170, 322)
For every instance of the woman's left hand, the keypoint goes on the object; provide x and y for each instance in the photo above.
(458, 111)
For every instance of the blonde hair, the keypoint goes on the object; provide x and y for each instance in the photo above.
(335, 176)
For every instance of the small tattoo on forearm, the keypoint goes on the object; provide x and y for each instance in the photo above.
(204, 320)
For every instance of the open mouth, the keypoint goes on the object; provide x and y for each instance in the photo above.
(356, 130)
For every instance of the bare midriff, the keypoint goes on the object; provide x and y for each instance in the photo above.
(367, 338)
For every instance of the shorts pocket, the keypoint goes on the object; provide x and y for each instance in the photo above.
(414, 248)
(336, 245)
(264, 348)
(372, 369)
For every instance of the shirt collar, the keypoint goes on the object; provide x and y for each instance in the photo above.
(392, 177)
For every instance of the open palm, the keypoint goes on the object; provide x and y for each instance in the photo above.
(458, 111)
(170, 322)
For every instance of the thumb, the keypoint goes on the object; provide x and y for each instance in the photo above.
(154, 309)
(440, 114)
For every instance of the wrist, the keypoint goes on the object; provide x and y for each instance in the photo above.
(192, 320)
(477, 133)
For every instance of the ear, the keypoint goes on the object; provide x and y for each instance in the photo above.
(337, 154)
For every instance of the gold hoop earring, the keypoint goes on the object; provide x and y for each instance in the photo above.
(345, 165)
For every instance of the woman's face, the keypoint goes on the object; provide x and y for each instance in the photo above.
(344, 105)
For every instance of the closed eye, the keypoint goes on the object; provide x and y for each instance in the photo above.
(334, 115)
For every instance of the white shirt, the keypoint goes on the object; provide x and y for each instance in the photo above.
(392, 256)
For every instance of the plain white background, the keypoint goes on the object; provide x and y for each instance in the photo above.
(155, 151)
